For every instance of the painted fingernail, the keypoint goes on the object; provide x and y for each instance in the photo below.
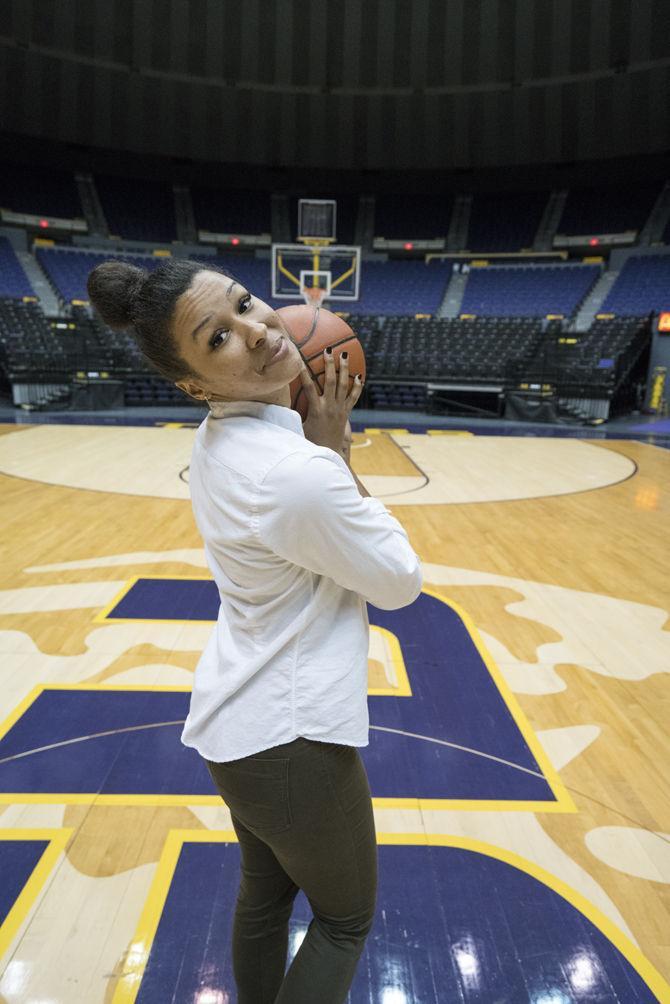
(329, 350)
(345, 355)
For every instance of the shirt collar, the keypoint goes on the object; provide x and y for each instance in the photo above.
(275, 413)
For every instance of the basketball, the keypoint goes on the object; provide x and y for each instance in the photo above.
(313, 329)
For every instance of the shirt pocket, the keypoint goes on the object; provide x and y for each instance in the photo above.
(256, 792)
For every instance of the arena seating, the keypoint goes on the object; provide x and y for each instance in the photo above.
(403, 354)
(100, 348)
(402, 287)
(505, 341)
(39, 191)
(68, 270)
(13, 280)
(527, 290)
(231, 212)
(28, 343)
(394, 287)
(505, 222)
(597, 357)
(42, 356)
(480, 351)
(137, 209)
(607, 210)
(643, 285)
(153, 390)
(612, 337)
(470, 349)
(34, 344)
(408, 217)
(117, 351)
(399, 397)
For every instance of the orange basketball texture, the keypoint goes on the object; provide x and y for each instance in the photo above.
(313, 329)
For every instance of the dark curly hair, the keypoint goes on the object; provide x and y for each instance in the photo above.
(126, 296)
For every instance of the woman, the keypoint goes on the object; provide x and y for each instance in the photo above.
(296, 546)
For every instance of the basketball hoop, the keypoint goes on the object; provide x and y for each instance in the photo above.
(313, 295)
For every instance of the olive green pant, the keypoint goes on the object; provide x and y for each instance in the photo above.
(303, 816)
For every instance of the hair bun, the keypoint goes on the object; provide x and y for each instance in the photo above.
(113, 288)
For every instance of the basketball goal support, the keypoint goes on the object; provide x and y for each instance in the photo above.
(315, 271)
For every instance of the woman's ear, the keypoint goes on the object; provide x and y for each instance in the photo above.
(191, 389)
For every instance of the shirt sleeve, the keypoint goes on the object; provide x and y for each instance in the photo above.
(311, 513)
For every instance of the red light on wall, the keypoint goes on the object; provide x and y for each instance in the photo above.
(235, 241)
(594, 242)
(44, 223)
(409, 246)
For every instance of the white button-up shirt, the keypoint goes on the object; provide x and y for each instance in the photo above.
(295, 551)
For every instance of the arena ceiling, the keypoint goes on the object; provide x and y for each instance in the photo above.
(366, 84)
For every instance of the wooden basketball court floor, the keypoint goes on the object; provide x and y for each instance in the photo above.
(519, 712)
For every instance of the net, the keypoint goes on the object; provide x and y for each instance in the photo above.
(313, 295)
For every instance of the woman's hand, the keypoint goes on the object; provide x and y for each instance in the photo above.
(328, 416)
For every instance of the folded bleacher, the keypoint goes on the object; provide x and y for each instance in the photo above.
(607, 210)
(138, 209)
(502, 222)
(224, 211)
(39, 191)
(412, 217)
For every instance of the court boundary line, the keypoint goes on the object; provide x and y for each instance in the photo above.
(562, 801)
(524, 498)
(139, 951)
(174, 498)
(45, 866)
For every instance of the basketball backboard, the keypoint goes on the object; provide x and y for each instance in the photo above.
(335, 269)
